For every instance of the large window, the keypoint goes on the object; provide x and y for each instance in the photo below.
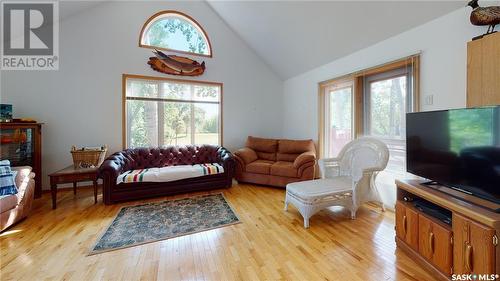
(371, 102)
(161, 111)
(175, 31)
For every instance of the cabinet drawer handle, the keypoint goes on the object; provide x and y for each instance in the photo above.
(468, 257)
(431, 242)
(404, 224)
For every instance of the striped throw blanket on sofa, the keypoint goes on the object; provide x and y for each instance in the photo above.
(170, 173)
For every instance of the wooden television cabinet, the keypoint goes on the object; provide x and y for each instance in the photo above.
(468, 245)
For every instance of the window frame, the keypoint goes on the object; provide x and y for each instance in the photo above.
(386, 75)
(191, 20)
(411, 62)
(325, 119)
(126, 77)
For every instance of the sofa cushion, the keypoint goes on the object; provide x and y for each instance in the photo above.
(260, 167)
(262, 145)
(7, 202)
(284, 169)
(170, 173)
(295, 146)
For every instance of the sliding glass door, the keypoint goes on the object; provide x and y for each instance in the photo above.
(338, 118)
(387, 99)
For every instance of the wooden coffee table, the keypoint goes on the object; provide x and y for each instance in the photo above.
(72, 175)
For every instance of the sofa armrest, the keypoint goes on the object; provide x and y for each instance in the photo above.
(306, 157)
(227, 160)
(113, 166)
(248, 155)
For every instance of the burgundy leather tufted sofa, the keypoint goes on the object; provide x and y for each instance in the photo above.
(139, 158)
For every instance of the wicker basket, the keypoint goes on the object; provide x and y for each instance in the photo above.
(88, 158)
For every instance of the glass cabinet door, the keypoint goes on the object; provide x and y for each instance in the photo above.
(17, 145)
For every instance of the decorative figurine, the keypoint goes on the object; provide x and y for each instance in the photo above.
(484, 16)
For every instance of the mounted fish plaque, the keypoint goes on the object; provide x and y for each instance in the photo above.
(175, 65)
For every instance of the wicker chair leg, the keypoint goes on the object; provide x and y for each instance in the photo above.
(307, 212)
(306, 222)
(353, 214)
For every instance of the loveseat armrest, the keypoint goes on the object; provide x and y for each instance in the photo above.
(304, 158)
(246, 154)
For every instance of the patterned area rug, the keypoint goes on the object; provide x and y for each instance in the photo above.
(136, 225)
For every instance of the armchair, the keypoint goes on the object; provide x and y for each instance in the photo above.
(360, 161)
(16, 207)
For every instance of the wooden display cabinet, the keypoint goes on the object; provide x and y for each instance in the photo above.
(468, 245)
(21, 144)
(483, 71)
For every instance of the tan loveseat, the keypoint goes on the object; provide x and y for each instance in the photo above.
(275, 162)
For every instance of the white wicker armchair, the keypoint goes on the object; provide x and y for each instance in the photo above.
(348, 180)
(360, 161)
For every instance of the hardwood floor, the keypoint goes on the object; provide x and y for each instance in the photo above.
(269, 244)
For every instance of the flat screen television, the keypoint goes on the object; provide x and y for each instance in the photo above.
(458, 148)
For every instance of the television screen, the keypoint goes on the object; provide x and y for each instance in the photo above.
(459, 148)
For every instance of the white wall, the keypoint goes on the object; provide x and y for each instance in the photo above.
(443, 73)
(443, 70)
(80, 103)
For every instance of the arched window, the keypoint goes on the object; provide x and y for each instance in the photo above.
(175, 31)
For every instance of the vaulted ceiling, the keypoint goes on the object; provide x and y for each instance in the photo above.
(72, 7)
(293, 37)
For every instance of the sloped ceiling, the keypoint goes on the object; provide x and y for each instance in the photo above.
(69, 8)
(296, 36)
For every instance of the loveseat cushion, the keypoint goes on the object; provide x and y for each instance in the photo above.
(295, 146)
(260, 167)
(289, 150)
(262, 145)
(287, 157)
(267, 156)
(284, 169)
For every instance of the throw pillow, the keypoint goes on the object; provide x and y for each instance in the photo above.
(7, 182)
(4, 166)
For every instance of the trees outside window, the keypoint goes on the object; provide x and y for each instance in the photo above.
(387, 99)
(164, 112)
(175, 31)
